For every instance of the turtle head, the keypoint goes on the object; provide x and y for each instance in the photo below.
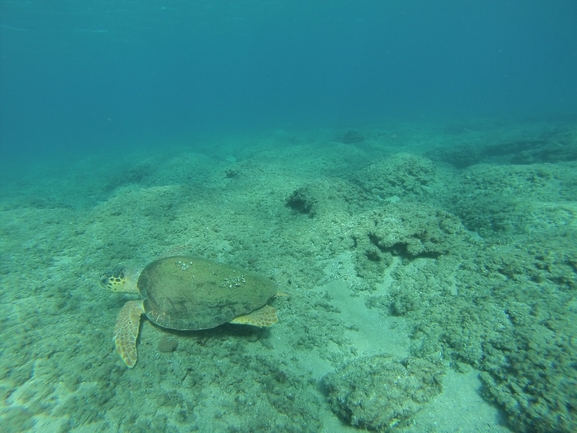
(119, 281)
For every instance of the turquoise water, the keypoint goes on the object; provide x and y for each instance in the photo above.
(404, 172)
(79, 78)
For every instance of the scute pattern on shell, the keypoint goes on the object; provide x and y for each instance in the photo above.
(191, 293)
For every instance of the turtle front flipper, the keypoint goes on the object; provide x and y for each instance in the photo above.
(126, 331)
(264, 316)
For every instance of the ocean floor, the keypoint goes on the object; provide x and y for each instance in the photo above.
(427, 278)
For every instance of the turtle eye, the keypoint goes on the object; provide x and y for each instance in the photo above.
(104, 281)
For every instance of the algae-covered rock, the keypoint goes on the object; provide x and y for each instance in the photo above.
(353, 137)
(403, 175)
(516, 200)
(407, 230)
(380, 392)
(533, 403)
(546, 145)
(537, 386)
(17, 419)
(325, 197)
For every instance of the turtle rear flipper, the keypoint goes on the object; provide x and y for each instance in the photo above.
(264, 316)
(126, 331)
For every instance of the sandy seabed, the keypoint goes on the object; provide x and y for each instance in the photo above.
(428, 276)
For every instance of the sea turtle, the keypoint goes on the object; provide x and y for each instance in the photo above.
(188, 293)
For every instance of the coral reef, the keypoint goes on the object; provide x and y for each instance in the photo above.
(380, 392)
